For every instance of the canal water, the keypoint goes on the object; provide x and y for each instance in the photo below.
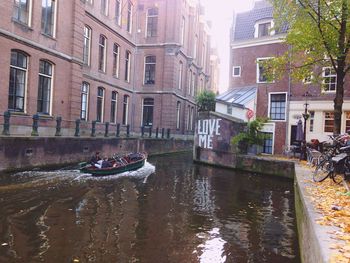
(169, 211)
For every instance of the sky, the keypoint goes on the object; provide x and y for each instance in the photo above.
(220, 13)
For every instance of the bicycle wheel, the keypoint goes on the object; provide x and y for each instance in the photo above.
(322, 171)
(337, 177)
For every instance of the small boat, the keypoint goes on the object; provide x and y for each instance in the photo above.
(119, 164)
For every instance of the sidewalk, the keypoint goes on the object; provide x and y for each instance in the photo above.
(322, 236)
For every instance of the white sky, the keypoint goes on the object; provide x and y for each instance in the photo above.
(220, 12)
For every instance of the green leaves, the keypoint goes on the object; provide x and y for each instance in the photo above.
(206, 101)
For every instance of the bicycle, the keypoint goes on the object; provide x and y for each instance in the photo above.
(335, 167)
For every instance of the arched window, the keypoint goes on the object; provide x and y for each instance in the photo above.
(84, 101)
(147, 115)
(100, 104)
(150, 69)
(45, 87)
(18, 81)
(152, 22)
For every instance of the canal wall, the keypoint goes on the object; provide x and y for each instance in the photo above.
(18, 153)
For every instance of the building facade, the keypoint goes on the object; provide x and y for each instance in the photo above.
(128, 62)
(253, 40)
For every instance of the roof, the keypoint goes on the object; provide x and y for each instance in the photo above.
(244, 22)
(238, 96)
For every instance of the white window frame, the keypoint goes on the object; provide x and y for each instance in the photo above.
(129, 23)
(180, 75)
(195, 47)
(189, 82)
(334, 75)
(87, 48)
(233, 71)
(127, 65)
(54, 2)
(308, 80)
(270, 127)
(105, 10)
(116, 106)
(285, 108)
(258, 70)
(178, 110)
(28, 22)
(264, 21)
(104, 53)
(103, 103)
(151, 16)
(182, 31)
(144, 69)
(125, 110)
(324, 120)
(85, 93)
(51, 77)
(116, 60)
(193, 83)
(118, 12)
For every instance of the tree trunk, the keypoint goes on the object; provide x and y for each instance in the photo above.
(338, 100)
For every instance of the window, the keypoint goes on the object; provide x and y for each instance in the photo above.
(312, 120)
(188, 117)
(261, 70)
(21, 11)
(268, 142)
(127, 66)
(102, 54)
(84, 101)
(263, 28)
(229, 109)
(204, 56)
(45, 87)
(193, 84)
(328, 121)
(114, 107)
(308, 79)
(178, 108)
(100, 104)
(147, 115)
(125, 109)
(195, 47)
(191, 118)
(116, 49)
(347, 121)
(180, 75)
(129, 18)
(18, 81)
(236, 72)
(182, 31)
(87, 45)
(277, 107)
(104, 7)
(48, 16)
(90, 2)
(150, 70)
(152, 22)
(118, 12)
(189, 82)
(329, 79)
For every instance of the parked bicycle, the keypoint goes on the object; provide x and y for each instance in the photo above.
(335, 165)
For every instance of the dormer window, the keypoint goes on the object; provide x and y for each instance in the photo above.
(263, 28)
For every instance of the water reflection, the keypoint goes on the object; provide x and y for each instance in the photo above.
(178, 212)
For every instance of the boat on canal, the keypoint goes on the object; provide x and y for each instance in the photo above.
(118, 164)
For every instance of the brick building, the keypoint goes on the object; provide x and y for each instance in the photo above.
(282, 101)
(136, 63)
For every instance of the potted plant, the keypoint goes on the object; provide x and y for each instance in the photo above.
(251, 140)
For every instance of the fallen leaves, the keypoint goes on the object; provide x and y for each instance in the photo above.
(333, 202)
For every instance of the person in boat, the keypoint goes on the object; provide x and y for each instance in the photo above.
(105, 163)
(96, 160)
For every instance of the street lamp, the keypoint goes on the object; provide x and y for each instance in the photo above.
(306, 116)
